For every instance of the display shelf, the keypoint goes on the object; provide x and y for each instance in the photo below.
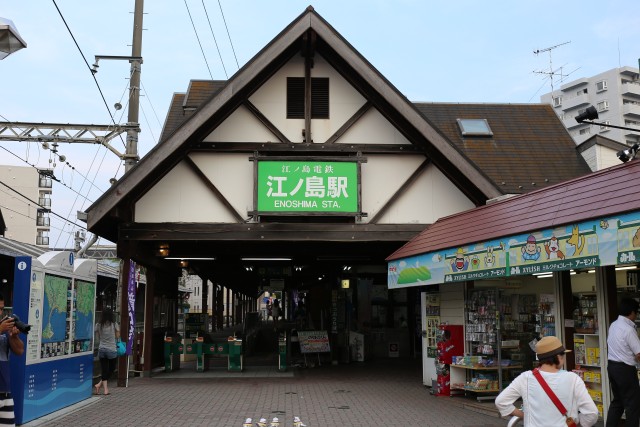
(588, 364)
(486, 368)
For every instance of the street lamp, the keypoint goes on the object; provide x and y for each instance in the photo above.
(591, 114)
(10, 40)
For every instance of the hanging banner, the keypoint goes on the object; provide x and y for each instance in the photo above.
(589, 244)
(131, 291)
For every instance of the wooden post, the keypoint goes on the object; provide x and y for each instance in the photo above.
(123, 365)
(149, 297)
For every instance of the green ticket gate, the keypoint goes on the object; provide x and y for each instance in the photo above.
(231, 348)
(235, 356)
(172, 350)
(282, 353)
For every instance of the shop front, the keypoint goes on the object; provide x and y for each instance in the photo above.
(552, 262)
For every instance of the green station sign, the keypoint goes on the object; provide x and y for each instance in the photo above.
(307, 186)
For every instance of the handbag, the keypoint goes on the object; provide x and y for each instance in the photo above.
(121, 348)
(554, 398)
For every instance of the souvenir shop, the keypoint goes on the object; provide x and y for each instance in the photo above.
(552, 262)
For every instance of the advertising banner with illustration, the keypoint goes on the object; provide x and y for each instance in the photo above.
(606, 241)
(307, 186)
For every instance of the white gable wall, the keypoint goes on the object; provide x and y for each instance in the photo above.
(181, 196)
(271, 100)
(241, 126)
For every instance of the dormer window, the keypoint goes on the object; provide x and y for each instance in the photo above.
(474, 127)
(319, 98)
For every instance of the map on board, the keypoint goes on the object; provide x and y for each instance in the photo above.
(85, 299)
(55, 308)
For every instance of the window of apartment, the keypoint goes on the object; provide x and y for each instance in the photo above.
(631, 123)
(582, 92)
(44, 200)
(43, 220)
(601, 85)
(319, 98)
(42, 239)
(45, 181)
(557, 101)
(603, 105)
(474, 127)
(585, 131)
(605, 128)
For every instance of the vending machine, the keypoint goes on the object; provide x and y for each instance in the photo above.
(450, 343)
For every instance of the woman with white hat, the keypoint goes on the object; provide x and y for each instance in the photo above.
(551, 396)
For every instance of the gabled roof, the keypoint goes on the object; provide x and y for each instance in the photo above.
(184, 105)
(598, 195)
(602, 141)
(342, 56)
(530, 148)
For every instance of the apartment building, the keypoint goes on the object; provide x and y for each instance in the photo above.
(25, 202)
(616, 96)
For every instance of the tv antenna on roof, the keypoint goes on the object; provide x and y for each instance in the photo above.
(550, 73)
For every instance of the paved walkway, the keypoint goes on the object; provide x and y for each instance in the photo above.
(380, 393)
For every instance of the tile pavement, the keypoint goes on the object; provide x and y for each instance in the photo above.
(380, 393)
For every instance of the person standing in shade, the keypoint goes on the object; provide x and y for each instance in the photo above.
(538, 407)
(10, 342)
(624, 353)
(275, 312)
(108, 332)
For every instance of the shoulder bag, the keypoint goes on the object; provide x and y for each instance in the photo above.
(554, 398)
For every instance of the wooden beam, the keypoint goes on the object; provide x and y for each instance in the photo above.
(308, 63)
(263, 232)
(297, 147)
(266, 122)
(349, 123)
(213, 188)
(414, 176)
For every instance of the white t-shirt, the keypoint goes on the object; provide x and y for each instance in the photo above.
(539, 410)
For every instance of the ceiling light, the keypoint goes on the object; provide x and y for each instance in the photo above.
(629, 267)
(193, 258)
(544, 276)
(266, 259)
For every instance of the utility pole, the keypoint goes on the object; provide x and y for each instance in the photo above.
(131, 155)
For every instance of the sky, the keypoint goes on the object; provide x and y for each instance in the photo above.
(445, 51)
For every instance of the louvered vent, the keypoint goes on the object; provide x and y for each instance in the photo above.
(319, 98)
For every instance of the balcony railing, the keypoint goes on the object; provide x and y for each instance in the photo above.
(631, 109)
(44, 201)
(45, 182)
(43, 221)
(42, 240)
(631, 89)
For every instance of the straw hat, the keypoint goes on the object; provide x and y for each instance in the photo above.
(549, 346)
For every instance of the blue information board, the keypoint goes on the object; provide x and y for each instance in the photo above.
(58, 299)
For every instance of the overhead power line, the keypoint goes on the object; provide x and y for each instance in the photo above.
(229, 35)
(214, 40)
(197, 37)
(42, 207)
(88, 67)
